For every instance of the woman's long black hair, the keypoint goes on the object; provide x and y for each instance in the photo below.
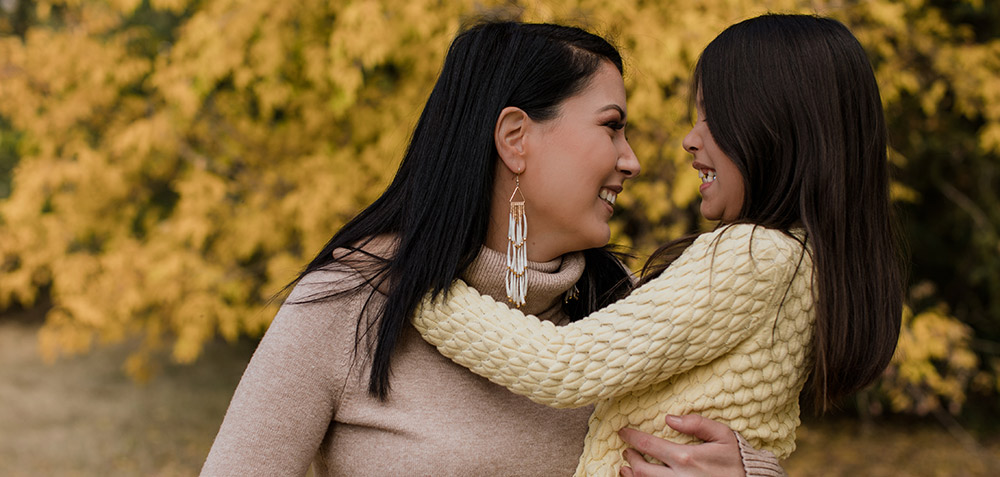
(792, 100)
(437, 207)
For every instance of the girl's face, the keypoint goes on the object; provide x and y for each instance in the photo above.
(575, 167)
(721, 181)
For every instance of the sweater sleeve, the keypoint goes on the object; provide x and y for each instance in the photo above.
(712, 297)
(758, 462)
(288, 395)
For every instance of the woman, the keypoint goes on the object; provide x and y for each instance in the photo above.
(542, 106)
(802, 276)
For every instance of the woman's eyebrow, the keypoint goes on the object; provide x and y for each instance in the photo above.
(616, 108)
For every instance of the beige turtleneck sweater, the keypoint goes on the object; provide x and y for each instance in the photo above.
(304, 398)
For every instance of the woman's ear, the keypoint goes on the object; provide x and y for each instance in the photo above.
(512, 124)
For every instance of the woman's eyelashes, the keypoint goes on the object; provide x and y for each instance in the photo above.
(615, 125)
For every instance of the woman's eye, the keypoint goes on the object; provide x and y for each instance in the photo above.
(616, 125)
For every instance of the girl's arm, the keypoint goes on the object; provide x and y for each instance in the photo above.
(716, 294)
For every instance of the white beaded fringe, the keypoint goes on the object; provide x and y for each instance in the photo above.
(516, 282)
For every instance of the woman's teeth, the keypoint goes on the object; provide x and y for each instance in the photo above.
(608, 196)
(706, 176)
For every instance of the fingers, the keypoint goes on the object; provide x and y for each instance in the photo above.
(638, 467)
(646, 443)
(656, 447)
(703, 428)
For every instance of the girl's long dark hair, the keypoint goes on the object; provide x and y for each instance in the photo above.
(793, 101)
(437, 207)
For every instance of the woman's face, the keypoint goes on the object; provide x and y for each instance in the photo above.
(576, 166)
(721, 181)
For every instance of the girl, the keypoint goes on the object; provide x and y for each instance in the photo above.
(801, 278)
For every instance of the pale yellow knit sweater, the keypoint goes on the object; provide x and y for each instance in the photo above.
(724, 332)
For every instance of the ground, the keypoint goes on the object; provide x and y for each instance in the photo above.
(83, 417)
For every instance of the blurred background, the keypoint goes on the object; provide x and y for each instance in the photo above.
(166, 166)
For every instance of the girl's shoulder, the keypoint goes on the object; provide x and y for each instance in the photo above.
(751, 242)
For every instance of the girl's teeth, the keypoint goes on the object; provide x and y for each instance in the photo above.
(706, 176)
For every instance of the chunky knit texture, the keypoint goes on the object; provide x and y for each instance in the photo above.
(724, 332)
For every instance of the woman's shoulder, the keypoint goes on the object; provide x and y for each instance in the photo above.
(322, 305)
(330, 280)
(359, 267)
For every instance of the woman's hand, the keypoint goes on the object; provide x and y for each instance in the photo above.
(718, 455)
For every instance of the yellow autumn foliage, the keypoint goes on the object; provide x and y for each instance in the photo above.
(169, 180)
(933, 364)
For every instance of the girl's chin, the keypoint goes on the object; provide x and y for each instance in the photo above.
(707, 212)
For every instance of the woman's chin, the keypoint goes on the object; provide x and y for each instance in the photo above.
(602, 239)
(595, 241)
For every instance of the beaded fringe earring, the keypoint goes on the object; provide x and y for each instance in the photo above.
(517, 256)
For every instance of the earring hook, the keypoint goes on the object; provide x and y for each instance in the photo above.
(517, 189)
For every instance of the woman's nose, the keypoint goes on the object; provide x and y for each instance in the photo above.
(628, 163)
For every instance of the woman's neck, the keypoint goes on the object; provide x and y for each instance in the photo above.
(548, 281)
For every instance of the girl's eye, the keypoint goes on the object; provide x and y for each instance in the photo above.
(616, 125)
